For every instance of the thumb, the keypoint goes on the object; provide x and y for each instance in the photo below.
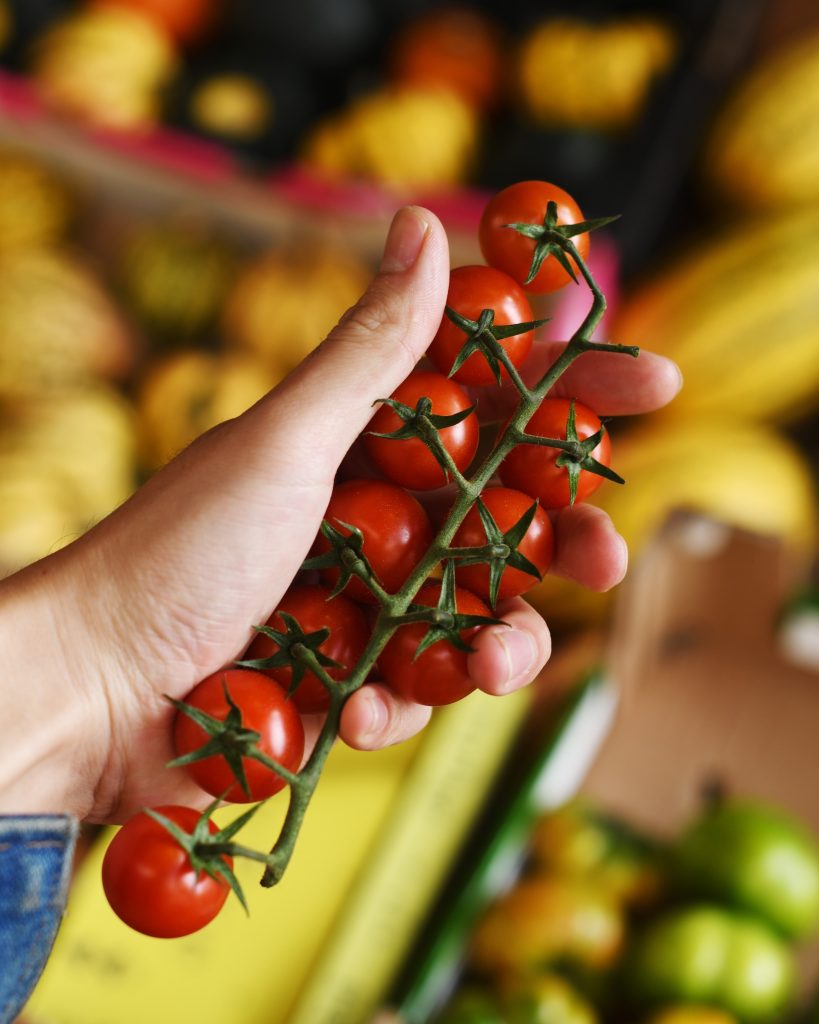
(374, 347)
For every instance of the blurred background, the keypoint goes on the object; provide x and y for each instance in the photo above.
(193, 191)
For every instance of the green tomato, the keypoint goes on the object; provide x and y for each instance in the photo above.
(755, 858)
(547, 920)
(715, 957)
(547, 999)
(471, 1006)
(577, 840)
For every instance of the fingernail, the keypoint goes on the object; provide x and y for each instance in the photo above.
(404, 241)
(678, 371)
(520, 655)
(376, 716)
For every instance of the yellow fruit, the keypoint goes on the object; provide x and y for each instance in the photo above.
(285, 303)
(87, 437)
(575, 74)
(692, 1015)
(34, 207)
(188, 393)
(763, 152)
(404, 138)
(741, 473)
(739, 314)
(106, 66)
(547, 920)
(58, 327)
(38, 512)
(175, 277)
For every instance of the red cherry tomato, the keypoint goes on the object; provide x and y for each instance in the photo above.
(266, 709)
(349, 632)
(396, 529)
(150, 882)
(408, 461)
(507, 507)
(508, 250)
(471, 290)
(439, 675)
(532, 468)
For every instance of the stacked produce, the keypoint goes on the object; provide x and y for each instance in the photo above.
(111, 362)
(408, 98)
(607, 924)
(737, 311)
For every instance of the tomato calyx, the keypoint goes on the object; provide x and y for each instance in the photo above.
(575, 454)
(207, 850)
(347, 555)
(298, 651)
(485, 336)
(445, 622)
(501, 549)
(553, 239)
(228, 739)
(423, 424)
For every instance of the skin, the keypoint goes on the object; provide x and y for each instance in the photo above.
(165, 590)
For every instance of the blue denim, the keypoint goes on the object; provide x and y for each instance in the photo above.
(36, 852)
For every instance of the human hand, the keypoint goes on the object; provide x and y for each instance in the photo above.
(166, 590)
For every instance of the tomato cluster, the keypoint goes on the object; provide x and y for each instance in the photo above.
(239, 733)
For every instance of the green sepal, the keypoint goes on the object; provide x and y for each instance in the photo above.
(228, 738)
(458, 623)
(484, 336)
(550, 239)
(511, 540)
(339, 543)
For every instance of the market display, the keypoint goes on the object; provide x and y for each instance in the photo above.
(609, 924)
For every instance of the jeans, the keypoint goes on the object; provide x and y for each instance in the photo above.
(36, 852)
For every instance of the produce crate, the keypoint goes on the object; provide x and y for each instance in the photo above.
(703, 685)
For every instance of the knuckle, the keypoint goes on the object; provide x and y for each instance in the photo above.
(380, 318)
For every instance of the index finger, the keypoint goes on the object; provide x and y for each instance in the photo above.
(613, 384)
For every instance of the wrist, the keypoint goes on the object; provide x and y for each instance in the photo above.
(54, 723)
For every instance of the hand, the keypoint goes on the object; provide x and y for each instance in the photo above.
(166, 590)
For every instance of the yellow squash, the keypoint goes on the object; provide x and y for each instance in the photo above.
(763, 152)
(741, 473)
(740, 316)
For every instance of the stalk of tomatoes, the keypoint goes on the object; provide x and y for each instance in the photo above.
(439, 675)
(534, 469)
(313, 608)
(149, 880)
(266, 709)
(408, 461)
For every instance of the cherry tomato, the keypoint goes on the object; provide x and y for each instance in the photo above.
(532, 468)
(150, 882)
(266, 709)
(471, 290)
(396, 529)
(310, 607)
(508, 250)
(408, 461)
(439, 675)
(506, 507)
